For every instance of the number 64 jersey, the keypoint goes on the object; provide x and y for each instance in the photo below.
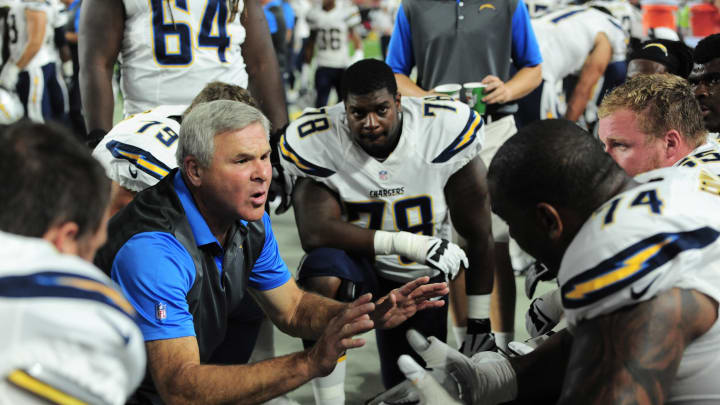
(405, 191)
(140, 150)
(660, 235)
(172, 48)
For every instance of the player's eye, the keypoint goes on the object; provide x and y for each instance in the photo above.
(383, 110)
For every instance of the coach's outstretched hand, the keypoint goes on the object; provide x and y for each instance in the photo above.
(402, 303)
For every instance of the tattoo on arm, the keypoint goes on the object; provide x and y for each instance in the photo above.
(632, 355)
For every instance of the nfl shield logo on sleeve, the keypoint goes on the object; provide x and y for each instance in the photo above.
(160, 311)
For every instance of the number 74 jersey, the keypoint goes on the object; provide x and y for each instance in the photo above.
(172, 48)
(405, 191)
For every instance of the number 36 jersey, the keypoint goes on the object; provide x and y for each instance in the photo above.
(172, 48)
(405, 191)
(140, 150)
(660, 235)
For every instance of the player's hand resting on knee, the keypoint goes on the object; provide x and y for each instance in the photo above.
(437, 253)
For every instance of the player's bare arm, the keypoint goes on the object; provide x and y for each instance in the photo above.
(265, 81)
(592, 70)
(632, 355)
(469, 205)
(319, 219)
(36, 21)
(102, 23)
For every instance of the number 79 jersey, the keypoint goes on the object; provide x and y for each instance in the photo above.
(140, 150)
(405, 192)
(172, 48)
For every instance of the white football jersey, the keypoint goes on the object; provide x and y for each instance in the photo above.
(537, 8)
(657, 236)
(706, 156)
(140, 150)
(567, 36)
(403, 193)
(629, 16)
(66, 325)
(18, 32)
(333, 28)
(172, 48)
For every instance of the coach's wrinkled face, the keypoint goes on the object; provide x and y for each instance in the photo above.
(374, 121)
(237, 181)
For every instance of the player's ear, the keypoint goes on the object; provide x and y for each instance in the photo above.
(192, 170)
(549, 220)
(674, 142)
(64, 237)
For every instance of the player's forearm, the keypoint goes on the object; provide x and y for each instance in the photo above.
(479, 277)
(407, 87)
(36, 21)
(265, 83)
(580, 98)
(525, 80)
(248, 384)
(97, 96)
(30, 51)
(540, 373)
(335, 233)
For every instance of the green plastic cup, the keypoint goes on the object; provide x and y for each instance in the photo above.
(450, 89)
(474, 92)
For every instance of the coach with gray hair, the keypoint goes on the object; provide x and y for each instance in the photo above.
(186, 250)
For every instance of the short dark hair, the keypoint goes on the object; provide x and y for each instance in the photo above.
(367, 76)
(556, 162)
(707, 49)
(674, 55)
(49, 178)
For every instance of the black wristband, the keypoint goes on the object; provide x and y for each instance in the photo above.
(94, 137)
(476, 326)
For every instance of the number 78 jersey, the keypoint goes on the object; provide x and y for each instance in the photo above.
(190, 41)
(405, 192)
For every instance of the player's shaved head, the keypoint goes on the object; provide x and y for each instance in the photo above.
(49, 178)
(367, 76)
(556, 162)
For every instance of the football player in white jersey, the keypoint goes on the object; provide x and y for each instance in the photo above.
(638, 271)
(72, 336)
(169, 49)
(332, 23)
(575, 40)
(377, 180)
(649, 122)
(32, 70)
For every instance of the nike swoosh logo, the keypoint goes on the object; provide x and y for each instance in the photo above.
(133, 174)
(637, 294)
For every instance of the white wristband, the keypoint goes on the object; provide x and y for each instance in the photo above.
(407, 244)
(478, 306)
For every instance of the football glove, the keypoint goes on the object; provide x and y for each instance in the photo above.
(535, 274)
(436, 252)
(280, 192)
(545, 312)
(478, 338)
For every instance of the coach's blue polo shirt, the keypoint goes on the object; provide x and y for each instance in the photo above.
(156, 272)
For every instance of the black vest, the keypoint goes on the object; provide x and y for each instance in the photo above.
(210, 300)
